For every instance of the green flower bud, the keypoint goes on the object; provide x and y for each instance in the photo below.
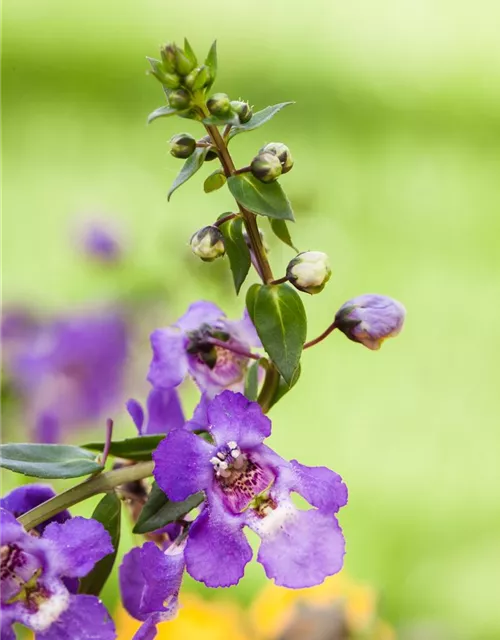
(219, 104)
(183, 64)
(282, 152)
(182, 145)
(266, 167)
(169, 80)
(198, 78)
(243, 110)
(176, 61)
(208, 244)
(309, 271)
(167, 53)
(179, 99)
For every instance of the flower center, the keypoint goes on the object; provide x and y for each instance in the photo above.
(19, 575)
(239, 479)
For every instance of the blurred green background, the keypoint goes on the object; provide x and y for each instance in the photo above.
(395, 136)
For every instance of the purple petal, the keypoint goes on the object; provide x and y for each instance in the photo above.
(80, 544)
(164, 411)
(200, 417)
(29, 496)
(148, 630)
(132, 583)
(10, 529)
(299, 548)
(48, 428)
(162, 571)
(320, 486)
(217, 550)
(136, 412)
(243, 330)
(6, 622)
(169, 364)
(182, 464)
(199, 313)
(86, 618)
(234, 418)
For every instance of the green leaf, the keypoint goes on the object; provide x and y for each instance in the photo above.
(237, 250)
(215, 181)
(191, 166)
(160, 511)
(211, 63)
(280, 320)
(108, 512)
(284, 388)
(280, 230)
(161, 112)
(190, 54)
(252, 381)
(258, 197)
(231, 119)
(139, 448)
(250, 300)
(48, 460)
(259, 118)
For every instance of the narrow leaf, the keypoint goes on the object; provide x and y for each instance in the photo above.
(280, 320)
(237, 250)
(259, 118)
(191, 166)
(48, 460)
(211, 62)
(281, 231)
(160, 511)
(215, 181)
(139, 448)
(161, 112)
(261, 198)
(108, 512)
(190, 54)
(252, 381)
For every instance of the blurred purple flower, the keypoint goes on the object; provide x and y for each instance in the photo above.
(247, 484)
(186, 347)
(70, 371)
(370, 319)
(32, 579)
(164, 412)
(101, 240)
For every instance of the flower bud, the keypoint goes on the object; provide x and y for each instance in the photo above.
(183, 65)
(208, 244)
(243, 110)
(167, 53)
(175, 60)
(266, 167)
(370, 319)
(219, 104)
(169, 80)
(182, 145)
(179, 99)
(282, 152)
(198, 78)
(309, 271)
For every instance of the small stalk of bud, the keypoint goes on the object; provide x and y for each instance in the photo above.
(309, 271)
(208, 244)
(266, 167)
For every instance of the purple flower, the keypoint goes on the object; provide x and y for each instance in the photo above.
(187, 347)
(247, 484)
(33, 574)
(100, 240)
(27, 497)
(164, 412)
(71, 371)
(150, 579)
(370, 319)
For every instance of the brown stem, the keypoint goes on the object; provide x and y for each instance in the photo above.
(243, 170)
(248, 217)
(280, 280)
(321, 337)
(220, 221)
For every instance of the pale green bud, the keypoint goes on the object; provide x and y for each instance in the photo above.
(208, 244)
(266, 167)
(182, 145)
(282, 152)
(309, 271)
(243, 110)
(198, 78)
(179, 99)
(219, 104)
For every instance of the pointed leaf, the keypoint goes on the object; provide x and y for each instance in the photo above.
(259, 118)
(250, 300)
(280, 320)
(211, 63)
(48, 460)
(281, 231)
(190, 54)
(252, 381)
(284, 388)
(160, 511)
(139, 448)
(161, 112)
(237, 250)
(258, 197)
(215, 181)
(191, 166)
(108, 512)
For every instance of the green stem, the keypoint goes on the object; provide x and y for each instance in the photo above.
(101, 483)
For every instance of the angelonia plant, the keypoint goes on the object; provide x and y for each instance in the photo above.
(214, 476)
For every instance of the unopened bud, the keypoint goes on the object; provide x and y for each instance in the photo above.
(282, 152)
(183, 65)
(309, 271)
(182, 145)
(243, 110)
(198, 78)
(208, 244)
(219, 104)
(266, 167)
(167, 53)
(370, 319)
(158, 70)
(179, 99)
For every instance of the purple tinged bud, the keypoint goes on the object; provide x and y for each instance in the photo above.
(282, 152)
(309, 271)
(208, 244)
(266, 167)
(243, 110)
(182, 145)
(370, 319)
